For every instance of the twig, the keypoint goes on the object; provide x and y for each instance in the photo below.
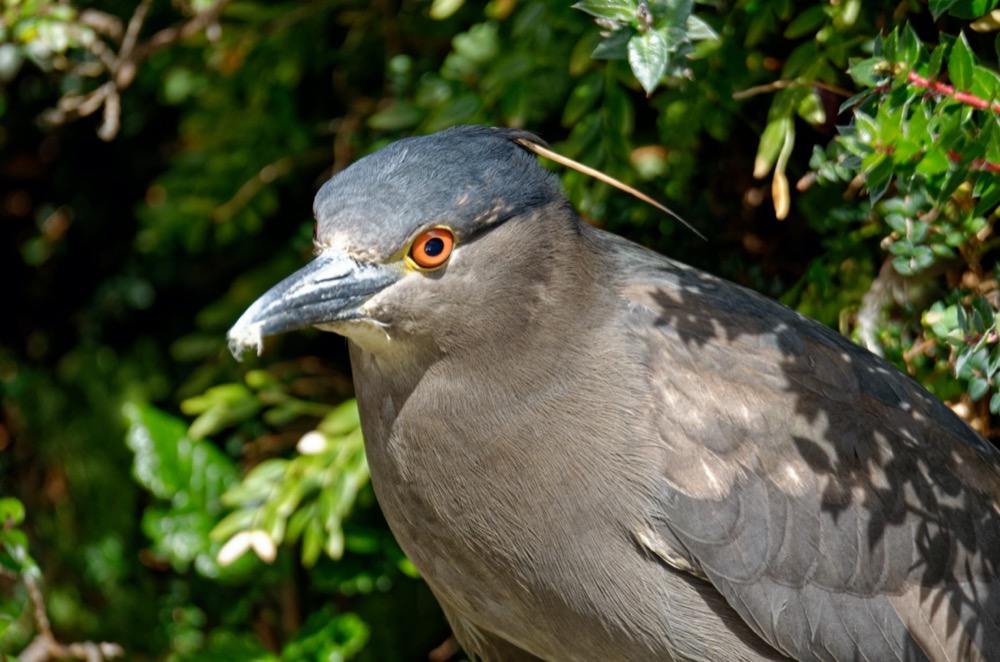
(134, 26)
(949, 91)
(782, 84)
(44, 646)
(122, 68)
(102, 23)
(251, 188)
(962, 97)
(880, 294)
(72, 106)
(170, 36)
(974, 164)
(262, 178)
(96, 47)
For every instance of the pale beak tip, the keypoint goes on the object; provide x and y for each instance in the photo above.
(244, 336)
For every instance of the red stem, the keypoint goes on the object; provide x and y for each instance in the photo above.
(949, 91)
(962, 97)
(975, 164)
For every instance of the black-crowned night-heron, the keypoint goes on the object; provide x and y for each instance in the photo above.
(592, 452)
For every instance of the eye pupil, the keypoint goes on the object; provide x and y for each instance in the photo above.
(434, 246)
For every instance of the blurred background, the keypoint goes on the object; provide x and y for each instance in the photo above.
(158, 161)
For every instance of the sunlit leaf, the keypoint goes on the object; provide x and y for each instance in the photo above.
(172, 465)
(939, 7)
(960, 64)
(971, 8)
(620, 11)
(648, 55)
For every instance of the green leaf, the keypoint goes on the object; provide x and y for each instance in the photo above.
(670, 13)
(312, 542)
(866, 128)
(615, 47)
(807, 22)
(909, 48)
(923, 257)
(180, 535)
(801, 62)
(327, 636)
(902, 266)
(343, 420)
(939, 7)
(811, 109)
(11, 512)
(169, 463)
(771, 142)
(220, 407)
(978, 386)
(225, 645)
(918, 231)
(442, 9)
(865, 73)
(583, 98)
(400, 115)
(934, 162)
(970, 9)
(889, 45)
(935, 61)
(960, 64)
(479, 44)
(889, 122)
(648, 55)
(878, 175)
(991, 136)
(699, 30)
(14, 556)
(963, 319)
(234, 522)
(618, 113)
(619, 11)
(989, 200)
(985, 311)
(985, 83)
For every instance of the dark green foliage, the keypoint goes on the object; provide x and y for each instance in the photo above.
(188, 508)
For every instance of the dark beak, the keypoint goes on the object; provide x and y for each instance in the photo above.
(331, 288)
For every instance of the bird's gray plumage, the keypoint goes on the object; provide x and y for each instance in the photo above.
(593, 452)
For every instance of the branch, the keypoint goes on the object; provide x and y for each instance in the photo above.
(884, 290)
(102, 23)
(44, 646)
(261, 179)
(974, 164)
(123, 66)
(949, 91)
(782, 84)
(170, 36)
(251, 188)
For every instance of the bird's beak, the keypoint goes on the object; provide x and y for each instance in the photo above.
(332, 288)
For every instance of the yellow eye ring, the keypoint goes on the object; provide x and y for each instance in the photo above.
(432, 248)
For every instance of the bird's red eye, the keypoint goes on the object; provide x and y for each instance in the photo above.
(432, 248)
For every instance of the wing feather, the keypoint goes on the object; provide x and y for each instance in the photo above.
(842, 510)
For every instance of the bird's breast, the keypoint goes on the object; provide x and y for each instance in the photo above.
(506, 513)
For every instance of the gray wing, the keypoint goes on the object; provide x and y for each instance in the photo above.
(842, 510)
